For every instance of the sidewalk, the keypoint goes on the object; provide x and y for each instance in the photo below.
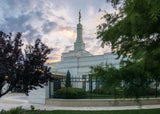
(15, 100)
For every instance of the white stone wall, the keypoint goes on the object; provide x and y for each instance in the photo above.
(39, 96)
(79, 66)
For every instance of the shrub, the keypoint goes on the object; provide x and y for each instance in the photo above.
(69, 93)
(103, 91)
(16, 110)
(152, 91)
(142, 92)
(100, 91)
(20, 110)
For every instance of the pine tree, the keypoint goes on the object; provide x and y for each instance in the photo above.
(68, 80)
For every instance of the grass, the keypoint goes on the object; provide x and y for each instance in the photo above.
(19, 110)
(142, 111)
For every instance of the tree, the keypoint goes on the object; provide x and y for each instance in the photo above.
(35, 73)
(135, 80)
(24, 69)
(10, 56)
(134, 32)
(109, 77)
(68, 80)
(131, 78)
(134, 29)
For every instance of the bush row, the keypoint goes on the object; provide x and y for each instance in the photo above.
(141, 92)
(69, 93)
(74, 93)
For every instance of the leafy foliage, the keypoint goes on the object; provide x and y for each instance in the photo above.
(10, 57)
(134, 29)
(109, 76)
(100, 91)
(35, 72)
(131, 78)
(134, 33)
(20, 110)
(69, 92)
(22, 69)
(135, 79)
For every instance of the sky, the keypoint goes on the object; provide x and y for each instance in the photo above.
(54, 22)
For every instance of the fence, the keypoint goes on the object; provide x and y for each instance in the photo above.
(87, 84)
(92, 88)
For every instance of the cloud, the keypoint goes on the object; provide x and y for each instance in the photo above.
(49, 26)
(53, 21)
(31, 34)
(91, 11)
(68, 28)
(13, 24)
(19, 24)
(67, 48)
(55, 50)
(89, 39)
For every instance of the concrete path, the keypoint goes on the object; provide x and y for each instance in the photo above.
(15, 100)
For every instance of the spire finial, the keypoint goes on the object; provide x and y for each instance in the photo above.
(79, 16)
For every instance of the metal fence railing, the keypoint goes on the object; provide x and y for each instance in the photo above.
(92, 89)
(87, 84)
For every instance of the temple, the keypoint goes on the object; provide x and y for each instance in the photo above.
(78, 62)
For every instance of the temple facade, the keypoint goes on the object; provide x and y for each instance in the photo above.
(79, 61)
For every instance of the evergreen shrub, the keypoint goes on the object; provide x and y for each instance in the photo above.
(100, 91)
(69, 92)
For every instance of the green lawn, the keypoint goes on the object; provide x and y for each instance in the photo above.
(144, 111)
(19, 110)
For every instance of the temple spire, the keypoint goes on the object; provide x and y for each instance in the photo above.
(79, 16)
(79, 45)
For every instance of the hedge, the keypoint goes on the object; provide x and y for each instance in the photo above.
(69, 93)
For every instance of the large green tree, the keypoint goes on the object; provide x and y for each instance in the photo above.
(133, 32)
(134, 29)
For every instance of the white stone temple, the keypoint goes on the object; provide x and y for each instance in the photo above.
(78, 62)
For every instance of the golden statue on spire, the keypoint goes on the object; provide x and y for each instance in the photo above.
(79, 16)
